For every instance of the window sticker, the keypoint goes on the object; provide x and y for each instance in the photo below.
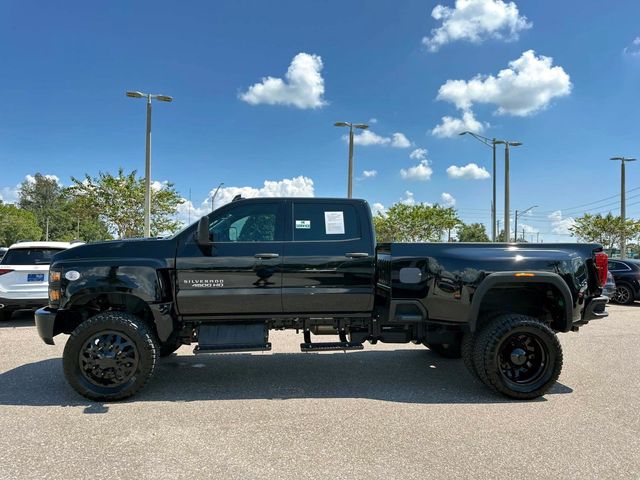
(334, 223)
(303, 224)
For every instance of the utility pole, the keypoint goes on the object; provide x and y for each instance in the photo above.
(516, 220)
(350, 172)
(46, 237)
(213, 197)
(507, 226)
(623, 204)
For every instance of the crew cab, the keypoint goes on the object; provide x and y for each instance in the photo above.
(312, 265)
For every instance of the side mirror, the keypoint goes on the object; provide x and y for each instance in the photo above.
(202, 234)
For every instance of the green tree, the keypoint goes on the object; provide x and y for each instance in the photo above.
(415, 223)
(58, 209)
(604, 229)
(17, 224)
(473, 232)
(119, 202)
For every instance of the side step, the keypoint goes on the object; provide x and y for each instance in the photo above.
(231, 348)
(309, 346)
(326, 346)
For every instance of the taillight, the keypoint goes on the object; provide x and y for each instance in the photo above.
(5, 270)
(602, 260)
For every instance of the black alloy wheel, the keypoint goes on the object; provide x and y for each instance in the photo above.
(518, 356)
(110, 356)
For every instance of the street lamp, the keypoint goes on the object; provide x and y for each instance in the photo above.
(516, 223)
(507, 144)
(351, 127)
(213, 198)
(623, 204)
(147, 166)
(490, 142)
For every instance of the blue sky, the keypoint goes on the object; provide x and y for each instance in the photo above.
(66, 66)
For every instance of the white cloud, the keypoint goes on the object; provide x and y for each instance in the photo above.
(369, 173)
(367, 138)
(447, 199)
(633, 49)
(373, 121)
(418, 154)
(287, 187)
(451, 127)
(526, 87)
(398, 140)
(303, 86)
(378, 208)
(422, 171)
(468, 172)
(32, 179)
(560, 225)
(156, 185)
(475, 21)
(408, 198)
(9, 194)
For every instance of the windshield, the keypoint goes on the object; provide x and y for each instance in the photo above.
(29, 256)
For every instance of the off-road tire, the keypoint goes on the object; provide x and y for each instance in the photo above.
(623, 294)
(541, 356)
(446, 350)
(139, 342)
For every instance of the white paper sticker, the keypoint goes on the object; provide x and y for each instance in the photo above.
(334, 223)
(303, 224)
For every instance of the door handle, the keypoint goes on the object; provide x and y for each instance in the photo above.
(356, 255)
(266, 256)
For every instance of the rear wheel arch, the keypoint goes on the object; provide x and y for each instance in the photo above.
(547, 297)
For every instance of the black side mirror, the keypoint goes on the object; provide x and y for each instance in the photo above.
(202, 234)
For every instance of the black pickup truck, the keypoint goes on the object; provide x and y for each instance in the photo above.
(312, 265)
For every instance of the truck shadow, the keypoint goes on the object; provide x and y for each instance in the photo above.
(405, 376)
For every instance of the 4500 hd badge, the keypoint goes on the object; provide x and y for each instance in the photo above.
(203, 283)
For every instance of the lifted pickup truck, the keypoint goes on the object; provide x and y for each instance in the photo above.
(312, 265)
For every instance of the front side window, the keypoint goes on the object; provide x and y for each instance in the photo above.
(30, 256)
(324, 221)
(246, 223)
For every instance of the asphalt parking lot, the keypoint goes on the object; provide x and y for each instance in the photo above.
(390, 411)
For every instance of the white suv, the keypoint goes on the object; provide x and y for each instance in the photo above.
(24, 271)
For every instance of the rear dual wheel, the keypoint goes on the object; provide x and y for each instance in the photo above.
(517, 356)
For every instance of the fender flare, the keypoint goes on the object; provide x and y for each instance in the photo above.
(503, 278)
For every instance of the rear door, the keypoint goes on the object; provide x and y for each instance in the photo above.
(328, 261)
(241, 275)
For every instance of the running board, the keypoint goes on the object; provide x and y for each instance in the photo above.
(231, 348)
(327, 346)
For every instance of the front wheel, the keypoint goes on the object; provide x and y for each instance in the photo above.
(518, 356)
(110, 356)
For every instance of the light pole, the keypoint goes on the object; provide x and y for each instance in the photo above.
(351, 127)
(507, 144)
(490, 142)
(521, 213)
(213, 198)
(623, 204)
(147, 165)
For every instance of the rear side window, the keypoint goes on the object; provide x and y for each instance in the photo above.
(30, 256)
(617, 266)
(324, 221)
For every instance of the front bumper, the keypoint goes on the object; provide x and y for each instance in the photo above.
(45, 324)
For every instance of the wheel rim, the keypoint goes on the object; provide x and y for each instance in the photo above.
(622, 295)
(523, 359)
(109, 359)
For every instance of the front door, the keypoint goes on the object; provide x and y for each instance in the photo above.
(240, 274)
